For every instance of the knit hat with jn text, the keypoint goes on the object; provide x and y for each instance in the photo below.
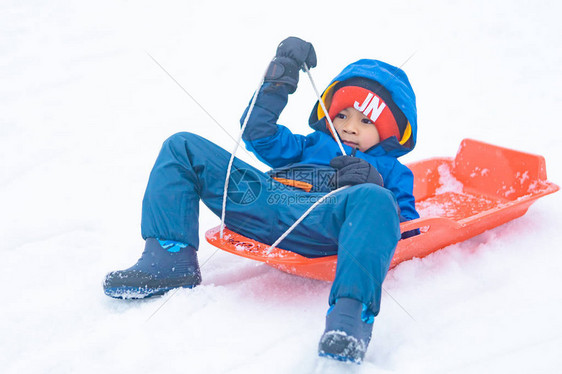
(374, 101)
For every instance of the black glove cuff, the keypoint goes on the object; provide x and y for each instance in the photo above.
(283, 70)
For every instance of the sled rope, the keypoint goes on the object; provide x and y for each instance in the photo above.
(320, 201)
(305, 214)
(332, 128)
(224, 196)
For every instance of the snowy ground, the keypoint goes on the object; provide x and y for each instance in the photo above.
(83, 112)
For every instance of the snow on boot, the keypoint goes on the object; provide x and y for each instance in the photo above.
(164, 265)
(348, 331)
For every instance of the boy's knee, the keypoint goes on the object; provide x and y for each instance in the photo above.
(373, 192)
(180, 137)
(181, 140)
(374, 195)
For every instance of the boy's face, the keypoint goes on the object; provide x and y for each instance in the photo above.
(356, 130)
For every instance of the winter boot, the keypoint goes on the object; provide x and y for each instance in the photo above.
(164, 265)
(348, 331)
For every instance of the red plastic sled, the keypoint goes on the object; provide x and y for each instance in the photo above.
(484, 186)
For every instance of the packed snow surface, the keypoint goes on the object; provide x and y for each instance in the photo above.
(84, 108)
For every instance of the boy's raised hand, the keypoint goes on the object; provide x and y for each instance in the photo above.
(292, 54)
(354, 170)
(299, 50)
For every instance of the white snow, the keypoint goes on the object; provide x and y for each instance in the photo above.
(84, 110)
(447, 182)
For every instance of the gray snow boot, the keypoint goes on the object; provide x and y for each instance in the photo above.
(349, 325)
(164, 265)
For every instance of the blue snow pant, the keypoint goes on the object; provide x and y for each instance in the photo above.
(360, 224)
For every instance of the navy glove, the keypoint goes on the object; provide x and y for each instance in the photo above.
(353, 170)
(292, 54)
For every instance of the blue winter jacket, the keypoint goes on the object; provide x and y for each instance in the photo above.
(289, 154)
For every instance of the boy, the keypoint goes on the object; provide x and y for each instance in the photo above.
(373, 110)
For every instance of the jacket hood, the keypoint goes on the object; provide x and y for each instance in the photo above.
(396, 82)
